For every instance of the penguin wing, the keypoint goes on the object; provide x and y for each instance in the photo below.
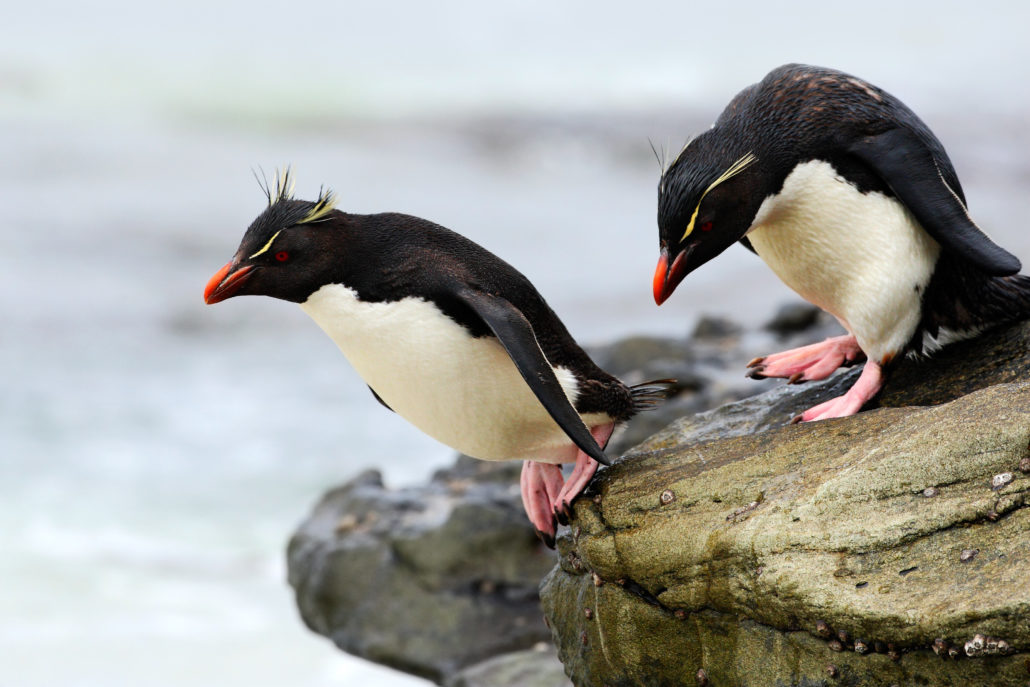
(911, 169)
(516, 334)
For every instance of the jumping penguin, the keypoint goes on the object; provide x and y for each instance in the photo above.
(445, 334)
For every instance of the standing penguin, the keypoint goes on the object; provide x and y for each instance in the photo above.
(444, 333)
(851, 200)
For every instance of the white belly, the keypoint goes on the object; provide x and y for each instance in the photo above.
(462, 391)
(861, 257)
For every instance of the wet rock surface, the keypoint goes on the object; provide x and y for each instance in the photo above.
(734, 548)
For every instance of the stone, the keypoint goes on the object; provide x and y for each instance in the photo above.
(841, 537)
(429, 579)
(795, 317)
(536, 667)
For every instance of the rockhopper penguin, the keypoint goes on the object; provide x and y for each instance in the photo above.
(446, 334)
(852, 201)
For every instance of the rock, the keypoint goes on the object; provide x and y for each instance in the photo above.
(712, 327)
(537, 667)
(426, 579)
(795, 317)
(739, 546)
(434, 579)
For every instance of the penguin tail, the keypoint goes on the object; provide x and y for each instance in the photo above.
(970, 302)
(649, 395)
(1008, 299)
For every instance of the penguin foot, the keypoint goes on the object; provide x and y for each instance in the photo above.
(868, 385)
(547, 497)
(581, 475)
(808, 363)
(547, 539)
(541, 484)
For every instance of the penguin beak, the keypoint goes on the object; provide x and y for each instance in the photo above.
(226, 282)
(667, 278)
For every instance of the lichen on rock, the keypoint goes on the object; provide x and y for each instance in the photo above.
(766, 553)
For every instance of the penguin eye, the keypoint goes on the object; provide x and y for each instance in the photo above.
(282, 256)
(707, 226)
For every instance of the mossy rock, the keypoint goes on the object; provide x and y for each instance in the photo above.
(831, 553)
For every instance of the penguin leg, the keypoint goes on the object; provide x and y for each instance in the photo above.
(581, 474)
(541, 483)
(868, 385)
(808, 363)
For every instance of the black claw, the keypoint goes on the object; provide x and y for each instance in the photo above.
(562, 515)
(796, 378)
(796, 419)
(756, 361)
(547, 539)
(755, 373)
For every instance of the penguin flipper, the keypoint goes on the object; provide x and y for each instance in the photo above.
(380, 399)
(516, 335)
(909, 166)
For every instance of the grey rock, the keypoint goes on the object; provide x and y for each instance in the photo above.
(712, 327)
(794, 317)
(426, 579)
(776, 540)
(537, 667)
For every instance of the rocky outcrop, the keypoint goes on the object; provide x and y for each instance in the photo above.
(441, 580)
(888, 548)
(428, 579)
(729, 548)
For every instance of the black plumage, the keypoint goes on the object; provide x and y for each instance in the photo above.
(731, 181)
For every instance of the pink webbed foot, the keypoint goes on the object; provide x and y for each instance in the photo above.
(581, 474)
(541, 483)
(868, 385)
(808, 363)
(546, 495)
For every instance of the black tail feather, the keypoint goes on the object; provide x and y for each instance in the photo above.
(962, 300)
(649, 395)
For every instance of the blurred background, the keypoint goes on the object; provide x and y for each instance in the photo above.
(155, 454)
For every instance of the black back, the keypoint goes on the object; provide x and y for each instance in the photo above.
(799, 113)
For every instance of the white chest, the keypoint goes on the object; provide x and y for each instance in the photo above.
(861, 257)
(463, 391)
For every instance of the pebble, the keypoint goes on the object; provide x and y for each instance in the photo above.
(1002, 479)
(968, 555)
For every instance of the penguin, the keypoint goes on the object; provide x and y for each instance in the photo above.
(446, 334)
(852, 201)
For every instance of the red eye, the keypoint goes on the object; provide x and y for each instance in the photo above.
(707, 226)
(282, 256)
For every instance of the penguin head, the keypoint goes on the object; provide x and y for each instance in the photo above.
(286, 252)
(707, 200)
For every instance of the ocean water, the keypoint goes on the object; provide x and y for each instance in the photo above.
(155, 453)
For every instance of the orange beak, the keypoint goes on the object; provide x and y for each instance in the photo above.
(667, 278)
(226, 283)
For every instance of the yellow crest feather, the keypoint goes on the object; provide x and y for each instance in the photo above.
(733, 170)
(284, 188)
(325, 204)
